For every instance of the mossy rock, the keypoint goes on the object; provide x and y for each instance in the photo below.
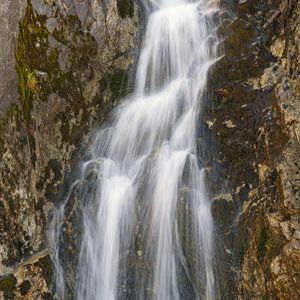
(8, 285)
(269, 243)
(32, 46)
(125, 8)
(263, 238)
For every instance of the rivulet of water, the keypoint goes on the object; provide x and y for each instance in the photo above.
(147, 223)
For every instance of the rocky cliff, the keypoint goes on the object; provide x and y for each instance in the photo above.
(64, 64)
(255, 119)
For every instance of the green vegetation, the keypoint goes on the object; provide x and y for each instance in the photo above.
(262, 242)
(125, 8)
(7, 285)
(28, 86)
(32, 45)
(269, 244)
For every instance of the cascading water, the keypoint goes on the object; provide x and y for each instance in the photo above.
(147, 223)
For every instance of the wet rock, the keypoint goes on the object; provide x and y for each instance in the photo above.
(67, 64)
(30, 280)
(261, 154)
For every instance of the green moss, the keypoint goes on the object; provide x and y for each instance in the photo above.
(31, 47)
(28, 86)
(269, 244)
(53, 57)
(33, 53)
(8, 285)
(125, 8)
(83, 48)
(263, 239)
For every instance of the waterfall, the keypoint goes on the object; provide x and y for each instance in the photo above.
(147, 223)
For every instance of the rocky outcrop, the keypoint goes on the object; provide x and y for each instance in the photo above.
(255, 117)
(30, 280)
(66, 65)
(10, 13)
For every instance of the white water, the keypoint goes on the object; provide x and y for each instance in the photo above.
(149, 217)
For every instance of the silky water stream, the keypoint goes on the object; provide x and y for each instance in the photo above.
(147, 227)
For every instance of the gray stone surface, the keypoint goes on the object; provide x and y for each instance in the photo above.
(10, 15)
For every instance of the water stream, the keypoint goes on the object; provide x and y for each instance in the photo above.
(147, 224)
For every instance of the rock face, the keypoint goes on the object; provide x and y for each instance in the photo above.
(10, 13)
(64, 65)
(255, 118)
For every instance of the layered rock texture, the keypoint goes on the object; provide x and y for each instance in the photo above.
(255, 117)
(65, 64)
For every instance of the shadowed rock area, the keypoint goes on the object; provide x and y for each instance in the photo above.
(255, 120)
